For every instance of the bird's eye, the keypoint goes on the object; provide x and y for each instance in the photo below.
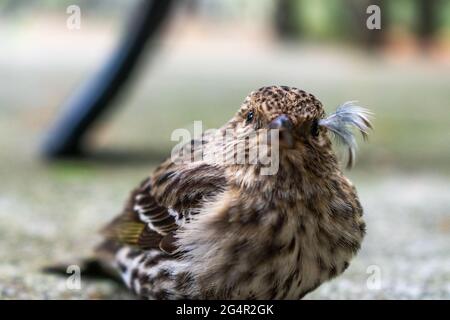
(250, 117)
(315, 128)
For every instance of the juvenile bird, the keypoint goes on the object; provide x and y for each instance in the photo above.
(210, 229)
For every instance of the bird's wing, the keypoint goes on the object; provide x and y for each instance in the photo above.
(163, 203)
(143, 222)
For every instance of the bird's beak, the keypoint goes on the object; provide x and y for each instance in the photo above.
(284, 125)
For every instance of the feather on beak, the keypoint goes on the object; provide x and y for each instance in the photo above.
(348, 116)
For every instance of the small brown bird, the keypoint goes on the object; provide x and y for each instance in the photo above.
(209, 229)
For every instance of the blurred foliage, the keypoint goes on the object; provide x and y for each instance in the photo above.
(312, 19)
(326, 20)
(15, 8)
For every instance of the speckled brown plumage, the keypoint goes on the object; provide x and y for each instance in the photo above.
(205, 229)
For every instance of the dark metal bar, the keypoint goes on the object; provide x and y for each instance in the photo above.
(95, 97)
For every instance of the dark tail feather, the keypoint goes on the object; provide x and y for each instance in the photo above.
(90, 269)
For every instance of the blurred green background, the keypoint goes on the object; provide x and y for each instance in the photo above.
(210, 56)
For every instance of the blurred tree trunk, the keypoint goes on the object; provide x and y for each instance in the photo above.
(427, 22)
(191, 6)
(375, 38)
(370, 38)
(285, 19)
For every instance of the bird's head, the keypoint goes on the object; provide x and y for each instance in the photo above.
(300, 123)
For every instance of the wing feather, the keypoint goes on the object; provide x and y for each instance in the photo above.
(162, 204)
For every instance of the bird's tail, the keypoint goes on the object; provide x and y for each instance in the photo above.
(98, 267)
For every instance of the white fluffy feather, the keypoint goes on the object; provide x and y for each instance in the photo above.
(340, 123)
